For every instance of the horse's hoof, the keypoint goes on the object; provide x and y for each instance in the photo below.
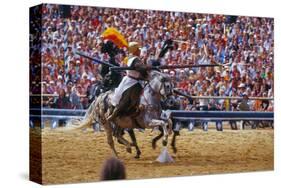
(138, 154)
(129, 150)
(164, 142)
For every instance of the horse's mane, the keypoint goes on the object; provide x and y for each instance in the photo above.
(158, 73)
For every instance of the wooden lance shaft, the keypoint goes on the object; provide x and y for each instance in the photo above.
(165, 67)
(95, 60)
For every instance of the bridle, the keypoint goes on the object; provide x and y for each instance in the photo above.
(150, 106)
(154, 92)
(157, 92)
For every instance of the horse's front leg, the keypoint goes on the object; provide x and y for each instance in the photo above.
(165, 131)
(173, 143)
(161, 123)
(154, 140)
(170, 126)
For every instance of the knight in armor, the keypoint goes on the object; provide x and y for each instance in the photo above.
(126, 97)
(110, 79)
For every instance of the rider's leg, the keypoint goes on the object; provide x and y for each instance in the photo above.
(123, 104)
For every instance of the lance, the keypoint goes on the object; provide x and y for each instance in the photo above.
(180, 41)
(178, 92)
(165, 67)
(96, 60)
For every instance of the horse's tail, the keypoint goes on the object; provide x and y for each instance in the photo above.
(95, 113)
(97, 110)
(90, 115)
(86, 121)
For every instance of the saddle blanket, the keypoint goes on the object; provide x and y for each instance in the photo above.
(126, 83)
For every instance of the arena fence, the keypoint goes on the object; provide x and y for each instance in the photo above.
(178, 116)
(221, 115)
(195, 97)
(232, 98)
(46, 97)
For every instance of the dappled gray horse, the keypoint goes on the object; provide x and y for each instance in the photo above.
(158, 87)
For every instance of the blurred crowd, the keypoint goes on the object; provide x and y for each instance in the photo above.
(244, 45)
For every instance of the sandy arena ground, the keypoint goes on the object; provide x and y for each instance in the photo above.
(77, 156)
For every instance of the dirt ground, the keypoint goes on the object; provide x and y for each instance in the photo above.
(77, 156)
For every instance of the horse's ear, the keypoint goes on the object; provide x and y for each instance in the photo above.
(153, 74)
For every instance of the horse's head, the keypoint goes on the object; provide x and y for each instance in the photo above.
(161, 84)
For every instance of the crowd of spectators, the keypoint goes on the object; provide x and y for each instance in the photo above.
(245, 45)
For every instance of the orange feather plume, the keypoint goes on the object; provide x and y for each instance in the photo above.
(115, 36)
